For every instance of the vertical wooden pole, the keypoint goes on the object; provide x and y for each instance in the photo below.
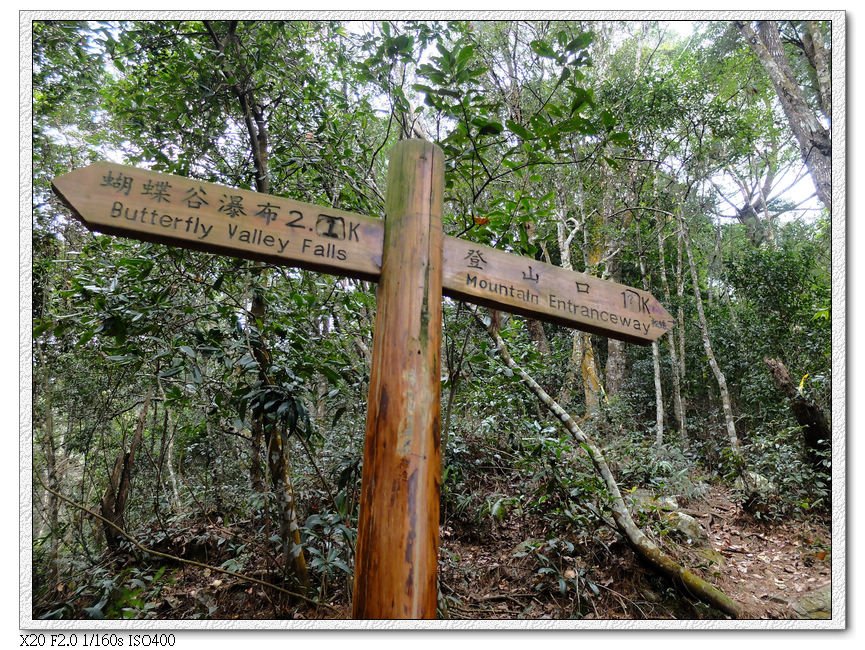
(398, 530)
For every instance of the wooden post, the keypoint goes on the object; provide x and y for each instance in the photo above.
(398, 530)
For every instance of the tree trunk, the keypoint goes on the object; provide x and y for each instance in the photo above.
(659, 395)
(166, 451)
(680, 312)
(820, 60)
(278, 463)
(656, 363)
(707, 344)
(255, 120)
(538, 336)
(815, 425)
(591, 382)
(642, 545)
(815, 142)
(52, 504)
(116, 495)
(614, 372)
(256, 475)
(678, 409)
(279, 469)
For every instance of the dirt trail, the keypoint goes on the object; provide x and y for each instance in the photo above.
(775, 570)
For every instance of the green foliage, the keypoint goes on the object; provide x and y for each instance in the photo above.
(795, 485)
(562, 144)
(556, 568)
(131, 593)
(330, 544)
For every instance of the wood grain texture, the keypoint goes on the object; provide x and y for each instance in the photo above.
(163, 208)
(521, 285)
(397, 546)
(127, 201)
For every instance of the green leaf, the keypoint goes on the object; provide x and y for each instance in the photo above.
(487, 127)
(519, 130)
(542, 48)
(607, 119)
(464, 55)
(581, 42)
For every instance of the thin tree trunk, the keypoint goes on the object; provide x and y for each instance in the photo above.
(564, 396)
(116, 495)
(172, 474)
(680, 312)
(583, 355)
(614, 372)
(678, 410)
(656, 362)
(277, 452)
(591, 379)
(280, 480)
(707, 344)
(639, 542)
(166, 453)
(52, 504)
(659, 396)
(278, 463)
(455, 364)
(256, 475)
(565, 233)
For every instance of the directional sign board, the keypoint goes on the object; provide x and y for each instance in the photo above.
(174, 210)
(518, 284)
(128, 201)
(398, 524)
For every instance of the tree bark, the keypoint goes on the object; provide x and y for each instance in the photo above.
(815, 425)
(52, 505)
(820, 60)
(277, 452)
(278, 463)
(656, 362)
(538, 336)
(116, 495)
(678, 407)
(815, 141)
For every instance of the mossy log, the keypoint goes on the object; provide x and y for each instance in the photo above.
(642, 545)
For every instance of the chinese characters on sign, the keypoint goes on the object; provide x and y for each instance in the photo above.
(181, 211)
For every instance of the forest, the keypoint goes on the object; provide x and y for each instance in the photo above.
(198, 419)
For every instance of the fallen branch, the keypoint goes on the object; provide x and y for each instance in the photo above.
(174, 558)
(642, 545)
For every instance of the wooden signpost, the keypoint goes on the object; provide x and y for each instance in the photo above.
(397, 548)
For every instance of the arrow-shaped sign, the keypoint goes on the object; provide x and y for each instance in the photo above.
(179, 211)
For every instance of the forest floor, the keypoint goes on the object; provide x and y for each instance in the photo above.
(770, 568)
(509, 569)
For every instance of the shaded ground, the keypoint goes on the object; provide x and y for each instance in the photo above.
(510, 569)
(767, 567)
